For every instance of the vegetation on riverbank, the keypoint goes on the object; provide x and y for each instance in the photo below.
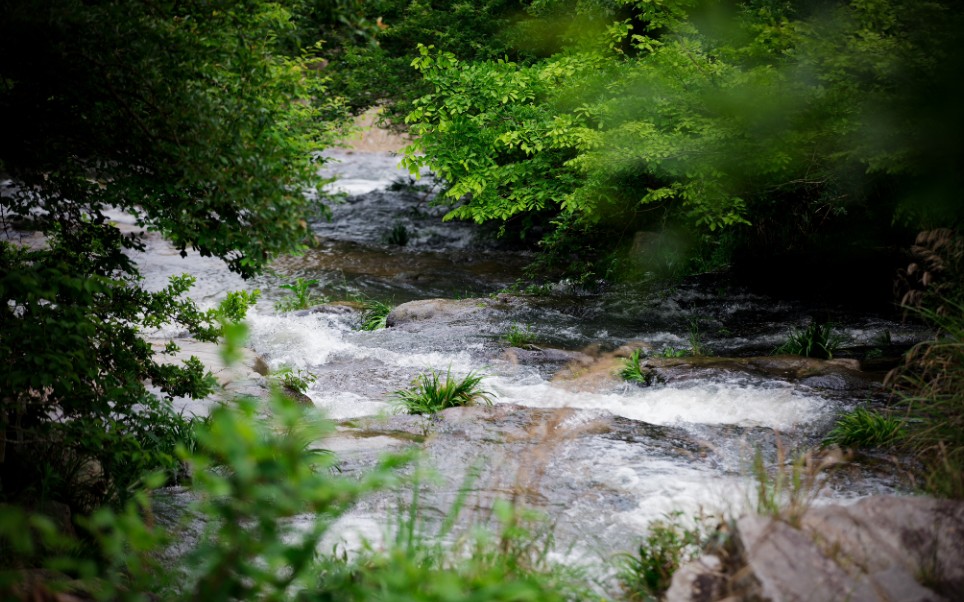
(629, 138)
(734, 132)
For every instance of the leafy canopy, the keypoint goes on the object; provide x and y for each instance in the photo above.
(200, 119)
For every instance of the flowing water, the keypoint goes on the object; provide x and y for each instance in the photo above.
(602, 458)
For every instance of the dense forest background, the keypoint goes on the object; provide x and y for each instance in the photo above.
(801, 143)
(776, 136)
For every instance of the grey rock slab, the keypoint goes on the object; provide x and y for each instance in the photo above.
(436, 310)
(918, 536)
(786, 565)
(701, 580)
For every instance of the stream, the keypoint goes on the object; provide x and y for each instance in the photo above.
(601, 458)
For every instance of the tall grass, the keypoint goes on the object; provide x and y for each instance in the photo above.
(300, 296)
(930, 386)
(509, 562)
(787, 489)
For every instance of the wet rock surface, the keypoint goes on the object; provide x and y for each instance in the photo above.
(880, 549)
(600, 457)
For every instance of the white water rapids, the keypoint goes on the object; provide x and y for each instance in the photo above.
(600, 489)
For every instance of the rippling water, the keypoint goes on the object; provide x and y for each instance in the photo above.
(616, 456)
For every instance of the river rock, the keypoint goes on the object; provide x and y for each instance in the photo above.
(881, 549)
(443, 310)
(701, 580)
(836, 374)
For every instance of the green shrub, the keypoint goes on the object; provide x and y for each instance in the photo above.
(863, 428)
(301, 296)
(374, 315)
(816, 340)
(234, 307)
(634, 371)
(297, 380)
(430, 394)
(270, 470)
(673, 352)
(647, 575)
(518, 336)
(398, 236)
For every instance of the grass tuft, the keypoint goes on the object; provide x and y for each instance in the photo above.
(430, 394)
(301, 296)
(930, 385)
(375, 314)
(297, 380)
(816, 340)
(863, 428)
(518, 336)
(398, 236)
(647, 574)
(633, 370)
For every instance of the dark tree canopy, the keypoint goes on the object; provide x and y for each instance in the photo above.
(200, 118)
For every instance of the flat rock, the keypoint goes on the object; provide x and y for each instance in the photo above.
(890, 536)
(836, 374)
(437, 311)
(880, 549)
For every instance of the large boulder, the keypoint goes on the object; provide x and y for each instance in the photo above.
(880, 549)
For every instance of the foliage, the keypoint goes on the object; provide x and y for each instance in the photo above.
(375, 314)
(816, 340)
(253, 474)
(301, 296)
(372, 44)
(777, 121)
(429, 394)
(634, 371)
(273, 471)
(507, 563)
(194, 118)
(518, 336)
(398, 236)
(297, 380)
(787, 489)
(70, 349)
(235, 305)
(864, 428)
(646, 575)
(930, 386)
(218, 127)
(673, 352)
